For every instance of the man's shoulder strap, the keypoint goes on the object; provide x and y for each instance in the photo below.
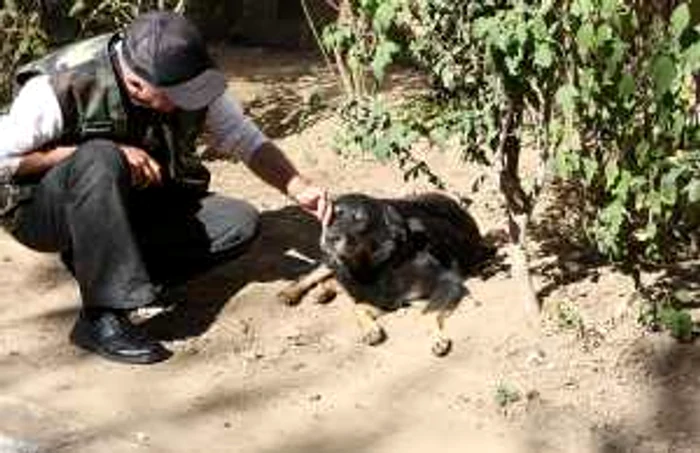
(66, 58)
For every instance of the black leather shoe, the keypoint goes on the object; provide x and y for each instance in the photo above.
(111, 335)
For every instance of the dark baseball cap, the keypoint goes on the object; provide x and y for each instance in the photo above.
(166, 50)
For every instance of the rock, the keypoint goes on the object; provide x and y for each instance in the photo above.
(142, 437)
(10, 445)
(535, 358)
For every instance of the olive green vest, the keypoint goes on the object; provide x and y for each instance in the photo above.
(95, 105)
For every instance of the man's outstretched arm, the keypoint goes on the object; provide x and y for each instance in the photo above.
(271, 165)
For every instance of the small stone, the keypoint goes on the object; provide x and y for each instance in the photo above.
(298, 366)
(315, 397)
(142, 437)
(9, 445)
(535, 358)
(227, 425)
(571, 384)
(252, 355)
(532, 395)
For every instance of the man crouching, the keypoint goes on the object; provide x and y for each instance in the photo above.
(98, 163)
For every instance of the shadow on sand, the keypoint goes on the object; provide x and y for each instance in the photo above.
(266, 260)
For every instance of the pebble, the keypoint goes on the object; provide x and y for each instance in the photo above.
(9, 445)
(535, 358)
(142, 437)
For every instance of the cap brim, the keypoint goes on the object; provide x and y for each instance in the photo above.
(199, 92)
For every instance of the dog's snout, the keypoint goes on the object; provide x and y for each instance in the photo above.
(342, 239)
(339, 242)
(332, 237)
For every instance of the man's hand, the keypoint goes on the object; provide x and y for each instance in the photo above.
(145, 171)
(312, 199)
(271, 165)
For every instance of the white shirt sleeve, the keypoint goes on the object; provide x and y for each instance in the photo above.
(230, 130)
(34, 120)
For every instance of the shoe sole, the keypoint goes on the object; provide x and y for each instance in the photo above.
(131, 360)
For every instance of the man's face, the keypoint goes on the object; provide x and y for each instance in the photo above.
(146, 94)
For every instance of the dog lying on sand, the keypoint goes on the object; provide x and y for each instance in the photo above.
(386, 253)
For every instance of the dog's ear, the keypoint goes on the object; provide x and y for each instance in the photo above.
(395, 223)
(396, 227)
(418, 232)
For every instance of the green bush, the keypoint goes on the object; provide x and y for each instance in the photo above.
(22, 40)
(24, 37)
(599, 91)
(100, 16)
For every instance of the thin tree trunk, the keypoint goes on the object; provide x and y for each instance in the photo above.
(518, 205)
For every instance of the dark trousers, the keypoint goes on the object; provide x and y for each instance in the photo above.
(121, 243)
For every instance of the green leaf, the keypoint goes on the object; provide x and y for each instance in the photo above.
(693, 190)
(566, 99)
(585, 37)
(609, 8)
(668, 195)
(663, 73)
(626, 86)
(647, 233)
(624, 183)
(590, 169)
(654, 203)
(683, 296)
(678, 322)
(680, 20)
(604, 33)
(383, 57)
(669, 186)
(543, 55)
(613, 216)
(385, 16)
(612, 171)
(691, 56)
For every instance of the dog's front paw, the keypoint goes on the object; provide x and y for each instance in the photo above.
(289, 296)
(374, 335)
(442, 347)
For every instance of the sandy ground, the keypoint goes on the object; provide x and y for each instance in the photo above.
(252, 376)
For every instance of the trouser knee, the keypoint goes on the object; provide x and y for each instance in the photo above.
(236, 236)
(98, 161)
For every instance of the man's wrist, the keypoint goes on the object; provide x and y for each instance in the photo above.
(296, 185)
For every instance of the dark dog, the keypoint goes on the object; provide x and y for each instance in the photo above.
(386, 253)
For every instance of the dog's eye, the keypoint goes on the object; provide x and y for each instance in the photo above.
(359, 215)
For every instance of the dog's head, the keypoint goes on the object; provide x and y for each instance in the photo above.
(363, 233)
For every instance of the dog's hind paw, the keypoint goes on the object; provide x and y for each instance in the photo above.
(374, 335)
(323, 295)
(442, 347)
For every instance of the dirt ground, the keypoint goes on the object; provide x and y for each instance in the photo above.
(252, 376)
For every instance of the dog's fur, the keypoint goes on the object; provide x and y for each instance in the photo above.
(386, 253)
